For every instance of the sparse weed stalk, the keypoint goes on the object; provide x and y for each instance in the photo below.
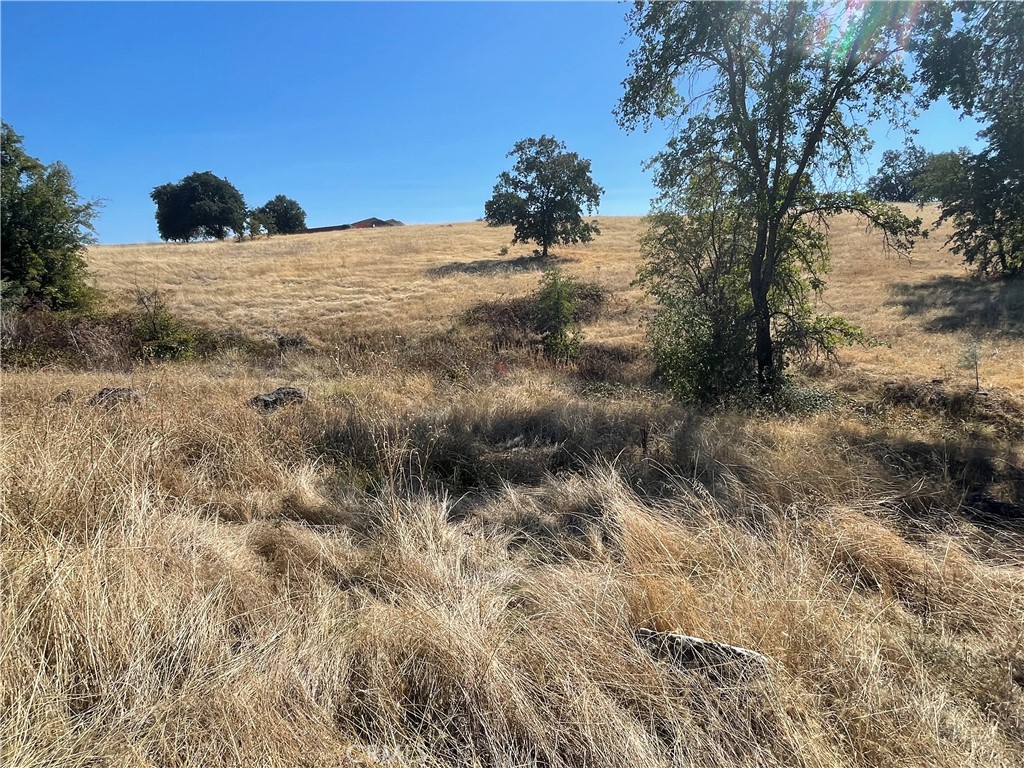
(162, 335)
(970, 360)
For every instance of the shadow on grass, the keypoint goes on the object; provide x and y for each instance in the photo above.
(660, 448)
(951, 304)
(497, 266)
(982, 474)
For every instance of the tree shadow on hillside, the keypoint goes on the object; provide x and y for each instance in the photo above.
(953, 304)
(497, 266)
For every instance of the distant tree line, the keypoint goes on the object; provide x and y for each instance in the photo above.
(913, 175)
(205, 206)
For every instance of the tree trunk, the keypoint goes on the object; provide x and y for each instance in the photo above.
(760, 283)
(763, 345)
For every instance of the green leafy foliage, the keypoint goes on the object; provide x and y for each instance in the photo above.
(913, 175)
(777, 105)
(970, 359)
(987, 215)
(283, 216)
(200, 206)
(941, 177)
(971, 53)
(160, 334)
(259, 222)
(895, 179)
(696, 269)
(544, 195)
(45, 228)
(557, 305)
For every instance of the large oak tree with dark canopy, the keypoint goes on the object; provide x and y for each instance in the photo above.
(913, 175)
(201, 205)
(772, 99)
(283, 216)
(544, 195)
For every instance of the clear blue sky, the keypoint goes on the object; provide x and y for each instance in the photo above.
(396, 110)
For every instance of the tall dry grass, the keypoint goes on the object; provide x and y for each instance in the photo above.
(421, 279)
(191, 583)
(440, 560)
(409, 279)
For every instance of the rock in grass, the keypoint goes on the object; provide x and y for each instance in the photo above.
(696, 653)
(271, 401)
(114, 397)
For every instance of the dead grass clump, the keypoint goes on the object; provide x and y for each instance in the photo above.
(118, 339)
(479, 441)
(613, 363)
(291, 642)
(938, 475)
(486, 657)
(295, 554)
(568, 520)
(454, 355)
(937, 581)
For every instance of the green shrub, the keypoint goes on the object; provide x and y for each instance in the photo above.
(46, 227)
(701, 332)
(160, 334)
(557, 304)
(703, 329)
(553, 313)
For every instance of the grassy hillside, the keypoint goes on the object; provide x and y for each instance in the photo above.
(447, 554)
(420, 279)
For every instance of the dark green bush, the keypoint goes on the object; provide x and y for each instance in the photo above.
(45, 229)
(556, 306)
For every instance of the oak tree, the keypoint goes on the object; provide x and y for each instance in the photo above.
(773, 98)
(544, 195)
(972, 53)
(200, 206)
(284, 215)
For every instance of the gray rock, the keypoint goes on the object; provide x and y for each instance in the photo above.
(690, 652)
(271, 401)
(114, 397)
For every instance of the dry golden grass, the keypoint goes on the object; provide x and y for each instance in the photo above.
(925, 311)
(436, 561)
(421, 278)
(411, 279)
